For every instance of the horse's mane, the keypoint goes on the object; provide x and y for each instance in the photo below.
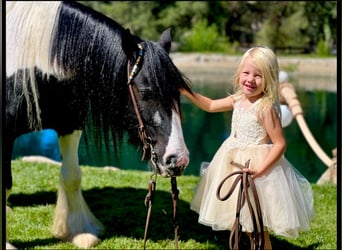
(85, 39)
(88, 45)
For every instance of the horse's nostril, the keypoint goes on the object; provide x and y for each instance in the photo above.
(172, 159)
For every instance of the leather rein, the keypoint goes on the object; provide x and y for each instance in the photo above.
(148, 144)
(246, 181)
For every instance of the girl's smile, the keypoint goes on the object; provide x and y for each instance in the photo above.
(249, 86)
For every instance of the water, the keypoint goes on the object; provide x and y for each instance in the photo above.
(204, 133)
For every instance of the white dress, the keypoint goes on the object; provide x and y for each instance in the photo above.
(285, 196)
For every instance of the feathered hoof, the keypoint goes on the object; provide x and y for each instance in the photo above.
(85, 240)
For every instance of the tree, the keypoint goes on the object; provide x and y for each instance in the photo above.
(140, 17)
(284, 26)
(249, 23)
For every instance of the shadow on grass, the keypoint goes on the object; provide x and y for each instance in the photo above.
(123, 213)
(36, 199)
(34, 243)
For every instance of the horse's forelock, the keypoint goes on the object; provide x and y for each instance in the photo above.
(163, 73)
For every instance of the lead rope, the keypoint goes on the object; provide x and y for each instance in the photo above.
(175, 193)
(150, 195)
(246, 181)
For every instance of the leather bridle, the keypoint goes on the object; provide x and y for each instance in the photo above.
(148, 145)
(146, 140)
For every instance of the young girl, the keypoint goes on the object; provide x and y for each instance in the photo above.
(285, 196)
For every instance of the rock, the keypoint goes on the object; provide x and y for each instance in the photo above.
(37, 158)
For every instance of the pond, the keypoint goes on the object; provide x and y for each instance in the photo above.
(204, 133)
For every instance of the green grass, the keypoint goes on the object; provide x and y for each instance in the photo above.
(117, 200)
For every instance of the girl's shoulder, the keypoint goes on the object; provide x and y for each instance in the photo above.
(268, 108)
(270, 111)
(266, 103)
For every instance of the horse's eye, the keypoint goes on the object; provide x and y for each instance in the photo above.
(146, 94)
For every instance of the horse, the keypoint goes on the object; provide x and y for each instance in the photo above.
(70, 68)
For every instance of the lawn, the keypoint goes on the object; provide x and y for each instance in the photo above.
(117, 200)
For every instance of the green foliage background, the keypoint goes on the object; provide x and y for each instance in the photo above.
(227, 26)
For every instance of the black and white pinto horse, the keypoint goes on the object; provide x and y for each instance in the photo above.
(68, 66)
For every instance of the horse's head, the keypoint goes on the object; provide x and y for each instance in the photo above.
(155, 88)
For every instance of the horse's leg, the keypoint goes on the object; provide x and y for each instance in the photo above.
(73, 219)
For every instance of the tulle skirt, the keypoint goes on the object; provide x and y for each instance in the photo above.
(285, 196)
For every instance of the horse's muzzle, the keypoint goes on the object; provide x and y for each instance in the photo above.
(173, 165)
(170, 170)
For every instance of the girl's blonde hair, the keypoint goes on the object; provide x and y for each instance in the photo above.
(266, 61)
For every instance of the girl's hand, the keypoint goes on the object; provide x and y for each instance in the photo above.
(182, 90)
(253, 172)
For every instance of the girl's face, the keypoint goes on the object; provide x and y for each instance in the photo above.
(250, 80)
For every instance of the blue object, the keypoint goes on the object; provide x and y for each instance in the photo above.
(44, 143)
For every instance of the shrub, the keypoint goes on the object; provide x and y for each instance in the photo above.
(204, 38)
(322, 48)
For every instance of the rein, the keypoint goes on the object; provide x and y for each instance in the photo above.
(147, 144)
(246, 181)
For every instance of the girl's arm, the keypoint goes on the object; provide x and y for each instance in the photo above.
(207, 104)
(272, 125)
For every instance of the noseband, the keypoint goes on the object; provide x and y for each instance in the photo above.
(148, 144)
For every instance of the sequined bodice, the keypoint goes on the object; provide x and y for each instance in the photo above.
(245, 127)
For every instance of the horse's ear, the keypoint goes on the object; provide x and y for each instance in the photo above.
(128, 43)
(165, 40)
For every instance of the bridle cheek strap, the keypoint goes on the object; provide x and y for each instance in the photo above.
(147, 141)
